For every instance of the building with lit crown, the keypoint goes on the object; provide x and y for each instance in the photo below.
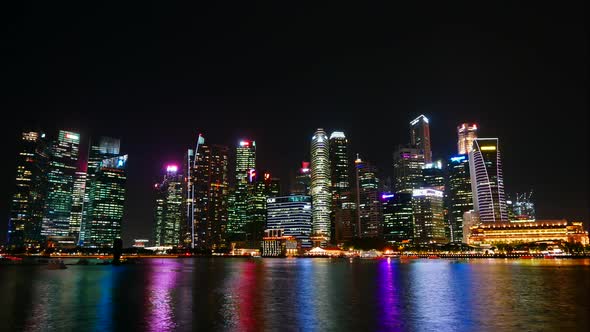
(429, 224)
(238, 222)
(525, 232)
(466, 134)
(420, 137)
(487, 181)
(321, 186)
(169, 208)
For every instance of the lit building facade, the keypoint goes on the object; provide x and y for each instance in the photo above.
(420, 137)
(61, 172)
(238, 222)
(487, 181)
(466, 134)
(261, 188)
(107, 201)
(77, 205)
(525, 232)
(460, 197)
(434, 176)
(302, 182)
(169, 208)
(276, 244)
(321, 186)
(341, 189)
(369, 206)
(293, 214)
(429, 225)
(408, 163)
(398, 220)
(26, 207)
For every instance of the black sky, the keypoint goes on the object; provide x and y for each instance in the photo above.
(155, 75)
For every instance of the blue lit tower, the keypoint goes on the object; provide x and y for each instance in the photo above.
(460, 194)
(321, 186)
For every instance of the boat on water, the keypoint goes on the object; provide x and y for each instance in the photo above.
(56, 264)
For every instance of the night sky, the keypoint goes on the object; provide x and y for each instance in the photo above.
(156, 75)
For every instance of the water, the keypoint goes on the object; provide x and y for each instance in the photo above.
(300, 295)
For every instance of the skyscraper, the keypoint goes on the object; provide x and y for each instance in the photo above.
(302, 181)
(398, 222)
(100, 149)
(60, 184)
(211, 191)
(341, 191)
(107, 201)
(293, 214)
(169, 209)
(407, 167)
(434, 176)
(238, 214)
(420, 137)
(466, 133)
(460, 195)
(429, 224)
(262, 187)
(77, 205)
(26, 208)
(321, 186)
(487, 182)
(369, 206)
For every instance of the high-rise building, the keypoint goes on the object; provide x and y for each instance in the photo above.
(341, 190)
(261, 188)
(107, 201)
(61, 173)
(459, 195)
(210, 176)
(407, 167)
(292, 214)
(470, 219)
(466, 133)
(321, 186)
(429, 224)
(238, 211)
(169, 208)
(434, 176)
(302, 181)
(420, 137)
(369, 206)
(398, 222)
(26, 208)
(100, 149)
(521, 208)
(487, 182)
(77, 205)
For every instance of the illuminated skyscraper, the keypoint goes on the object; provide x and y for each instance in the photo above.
(321, 186)
(487, 182)
(398, 222)
(60, 184)
(466, 133)
(369, 206)
(434, 176)
(107, 201)
(211, 188)
(26, 208)
(302, 181)
(77, 205)
(420, 137)
(292, 214)
(169, 208)
(262, 187)
(407, 167)
(341, 191)
(238, 214)
(429, 224)
(460, 195)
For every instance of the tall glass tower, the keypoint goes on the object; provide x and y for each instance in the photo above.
(420, 136)
(26, 208)
(238, 211)
(460, 195)
(341, 191)
(408, 163)
(466, 134)
(321, 186)
(369, 206)
(60, 184)
(487, 182)
(77, 205)
(169, 213)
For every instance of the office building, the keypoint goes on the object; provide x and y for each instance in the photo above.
(466, 134)
(341, 188)
(302, 181)
(429, 225)
(398, 221)
(460, 197)
(169, 208)
(487, 181)
(434, 176)
(369, 207)
(408, 163)
(77, 205)
(262, 187)
(420, 137)
(321, 186)
(238, 222)
(293, 214)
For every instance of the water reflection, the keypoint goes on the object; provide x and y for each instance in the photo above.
(161, 291)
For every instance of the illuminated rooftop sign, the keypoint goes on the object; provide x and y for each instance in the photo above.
(337, 134)
(386, 196)
(172, 168)
(244, 143)
(421, 117)
(457, 159)
(427, 192)
(72, 136)
(488, 148)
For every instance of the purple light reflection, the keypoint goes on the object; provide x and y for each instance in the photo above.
(163, 281)
(389, 317)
